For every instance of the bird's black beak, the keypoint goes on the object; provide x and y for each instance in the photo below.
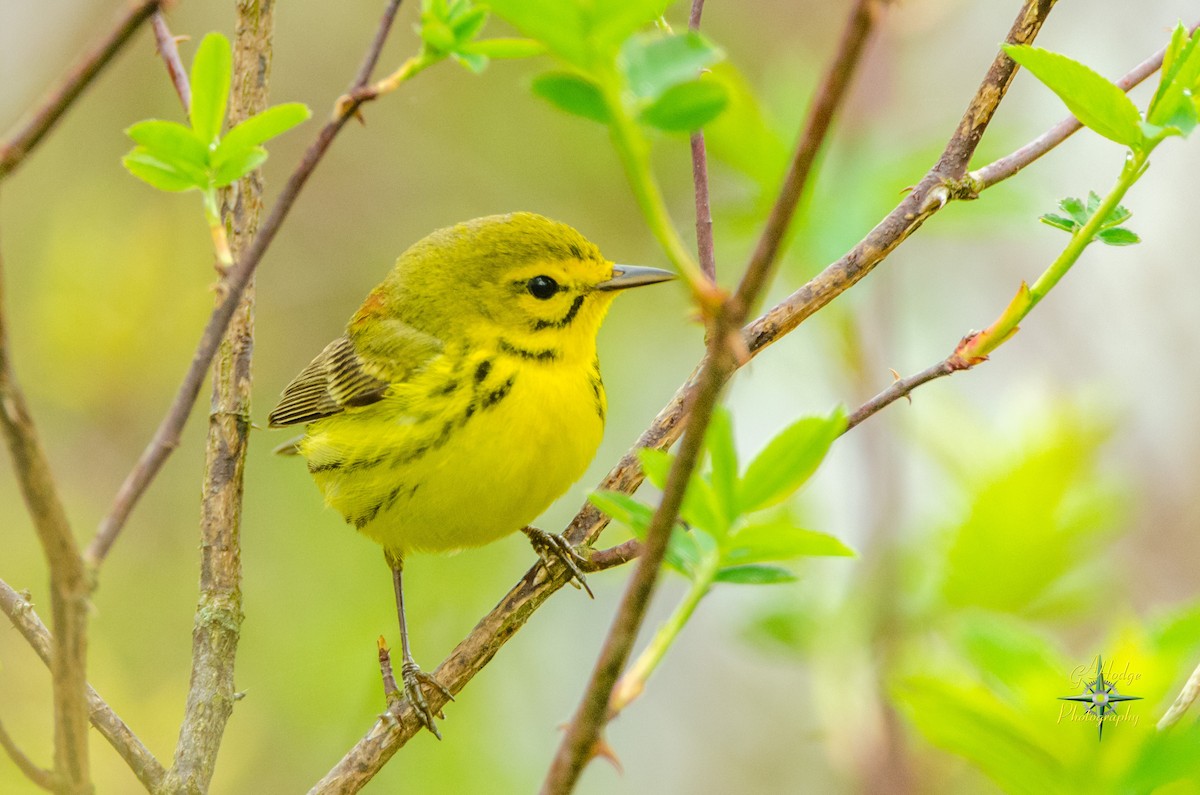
(625, 276)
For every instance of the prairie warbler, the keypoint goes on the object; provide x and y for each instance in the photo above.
(465, 395)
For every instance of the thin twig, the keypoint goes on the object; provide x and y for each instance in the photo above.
(371, 58)
(217, 628)
(166, 438)
(826, 101)
(40, 776)
(900, 388)
(704, 223)
(169, 52)
(143, 763)
(18, 146)
(69, 586)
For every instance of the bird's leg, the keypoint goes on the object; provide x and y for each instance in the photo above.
(550, 546)
(411, 675)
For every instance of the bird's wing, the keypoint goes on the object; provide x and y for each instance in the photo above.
(342, 377)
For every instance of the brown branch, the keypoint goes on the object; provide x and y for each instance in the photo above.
(169, 52)
(69, 586)
(1000, 170)
(217, 627)
(827, 100)
(901, 388)
(143, 763)
(38, 775)
(18, 146)
(166, 437)
(704, 223)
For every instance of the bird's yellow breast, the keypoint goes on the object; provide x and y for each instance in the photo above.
(474, 447)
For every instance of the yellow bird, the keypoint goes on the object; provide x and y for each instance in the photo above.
(465, 395)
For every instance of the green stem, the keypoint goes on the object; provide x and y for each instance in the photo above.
(976, 348)
(1135, 166)
(633, 681)
(634, 153)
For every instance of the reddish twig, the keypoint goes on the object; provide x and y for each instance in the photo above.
(169, 52)
(14, 150)
(166, 437)
(704, 223)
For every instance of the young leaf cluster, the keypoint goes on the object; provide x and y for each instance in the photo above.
(448, 29)
(1078, 214)
(175, 157)
(724, 536)
(657, 78)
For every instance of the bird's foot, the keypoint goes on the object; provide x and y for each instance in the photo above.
(550, 547)
(413, 678)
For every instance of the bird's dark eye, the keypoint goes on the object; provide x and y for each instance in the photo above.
(542, 287)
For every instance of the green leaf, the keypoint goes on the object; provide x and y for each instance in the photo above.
(625, 509)
(1172, 106)
(584, 33)
(171, 142)
(1096, 102)
(656, 464)
(258, 129)
(700, 508)
(504, 49)
(468, 24)
(789, 460)
(1058, 222)
(472, 61)
(754, 574)
(574, 94)
(211, 70)
(1075, 208)
(263, 126)
(778, 540)
(723, 454)
(159, 174)
(686, 107)
(1118, 236)
(654, 63)
(238, 166)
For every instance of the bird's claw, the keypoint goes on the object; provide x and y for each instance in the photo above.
(414, 678)
(550, 546)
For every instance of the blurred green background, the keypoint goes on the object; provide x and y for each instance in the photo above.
(1012, 523)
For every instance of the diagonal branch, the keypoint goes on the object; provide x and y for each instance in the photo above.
(166, 437)
(143, 764)
(169, 52)
(14, 150)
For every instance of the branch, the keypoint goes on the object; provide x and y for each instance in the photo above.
(166, 438)
(21, 143)
(169, 52)
(38, 775)
(704, 224)
(900, 388)
(69, 586)
(217, 626)
(1185, 699)
(143, 763)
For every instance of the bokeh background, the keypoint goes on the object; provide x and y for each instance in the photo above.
(1012, 522)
